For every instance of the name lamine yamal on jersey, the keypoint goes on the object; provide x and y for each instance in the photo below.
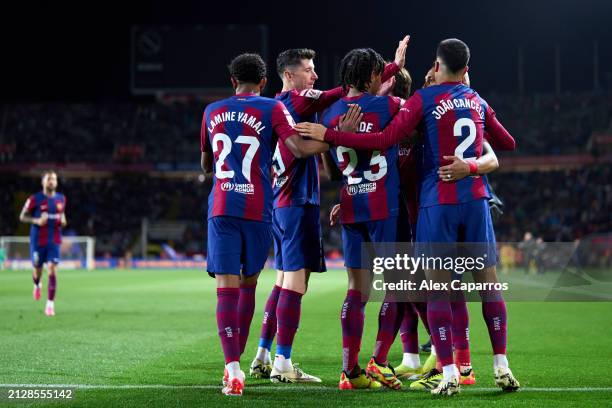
(232, 116)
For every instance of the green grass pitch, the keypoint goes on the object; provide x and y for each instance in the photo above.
(149, 338)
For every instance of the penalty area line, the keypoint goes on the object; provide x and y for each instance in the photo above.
(279, 387)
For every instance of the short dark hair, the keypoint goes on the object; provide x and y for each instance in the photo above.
(292, 57)
(357, 66)
(249, 68)
(403, 84)
(454, 53)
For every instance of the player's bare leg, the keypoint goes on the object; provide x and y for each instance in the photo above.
(36, 278)
(228, 324)
(295, 284)
(50, 307)
(495, 316)
(262, 363)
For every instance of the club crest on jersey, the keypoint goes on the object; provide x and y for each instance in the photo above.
(59, 206)
(246, 188)
(364, 188)
(280, 181)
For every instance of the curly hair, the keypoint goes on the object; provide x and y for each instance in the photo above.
(249, 68)
(292, 57)
(357, 67)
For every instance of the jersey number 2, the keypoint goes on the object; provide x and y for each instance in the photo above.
(471, 137)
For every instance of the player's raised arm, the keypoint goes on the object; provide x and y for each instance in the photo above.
(400, 58)
(402, 126)
(496, 133)
(317, 101)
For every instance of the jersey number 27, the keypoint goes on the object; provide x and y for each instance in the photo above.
(226, 148)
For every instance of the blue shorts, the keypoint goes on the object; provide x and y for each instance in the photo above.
(43, 254)
(451, 223)
(298, 242)
(237, 245)
(353, 235)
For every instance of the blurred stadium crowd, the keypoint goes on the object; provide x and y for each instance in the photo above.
(558, 205)
(169, 132)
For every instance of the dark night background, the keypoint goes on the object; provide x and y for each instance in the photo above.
(66, 102)
(81, 51)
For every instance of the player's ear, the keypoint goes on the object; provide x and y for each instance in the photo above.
(436, 66)
(262, 83)
(466, 77)
(234, 82)
(287, 75)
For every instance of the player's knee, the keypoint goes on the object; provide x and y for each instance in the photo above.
(295, 281)
(249, 280)
(227, 281)
(279, 278)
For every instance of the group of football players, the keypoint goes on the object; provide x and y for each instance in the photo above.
(412, 170)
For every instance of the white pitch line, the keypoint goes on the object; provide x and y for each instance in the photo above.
(279, 387)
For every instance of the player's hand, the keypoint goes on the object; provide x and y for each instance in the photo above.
(400, 53)
(313, 130)
(42, 220)
(334, 215)
(349, 122)
(457, 170)
(386, 87)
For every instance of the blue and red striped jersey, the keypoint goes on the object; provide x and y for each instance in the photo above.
(454, 119)
(370, 188)
(296, 181)
(409, 165)
(241, 132)
(54, 206)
